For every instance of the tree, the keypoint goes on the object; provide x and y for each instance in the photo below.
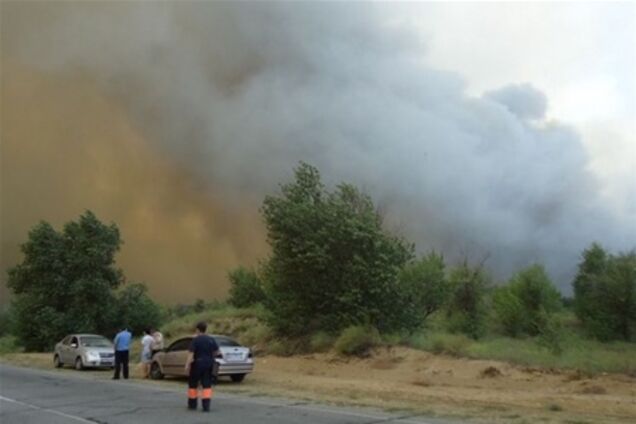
(246, 288)
(605, 293)
(466, 309)
(424, 286)
(135, 309)
(524, 306)
(332, 264)
(66, 282)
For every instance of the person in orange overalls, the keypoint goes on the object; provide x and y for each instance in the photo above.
(200, 365)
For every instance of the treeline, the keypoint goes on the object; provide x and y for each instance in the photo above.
(333, 266)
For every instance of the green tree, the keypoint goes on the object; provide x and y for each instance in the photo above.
(424, 286)
(66, 282)
(332, 264)
(526, 303)
(135, 309)
(466, 310)
(246, 288)
(605, 293)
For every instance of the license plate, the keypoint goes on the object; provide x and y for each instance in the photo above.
(234, 356)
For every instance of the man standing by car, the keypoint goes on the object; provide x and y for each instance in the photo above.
(200, 367)
(122, 346)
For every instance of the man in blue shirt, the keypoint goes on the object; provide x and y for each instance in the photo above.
(122, 345)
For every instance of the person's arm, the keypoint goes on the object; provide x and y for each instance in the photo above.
(190, 357)
(116, 339)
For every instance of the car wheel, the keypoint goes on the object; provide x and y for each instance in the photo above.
(237, 378)
(57, 362)
(79, 365)
(155, 371)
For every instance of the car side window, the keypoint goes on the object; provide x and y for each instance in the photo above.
(74, 341)
(67, 340)
(180, 345)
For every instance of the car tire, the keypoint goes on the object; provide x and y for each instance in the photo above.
(57, 362)
(155, 371)
(79, 365)
(237, 378)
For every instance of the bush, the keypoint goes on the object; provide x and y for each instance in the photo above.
(357, 340)
(257, 334)
(466, 308)
(246, 288)
(9, 344)
(526, 304)
(449, 344)
(424, 287)
(321, 341)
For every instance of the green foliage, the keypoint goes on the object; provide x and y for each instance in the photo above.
(246, 288)
(135, 309)
(424, 287)
(9, 344)
(321, 341)
(357, 340)
(332, 265)
(66, 282)
(525, 304)
(6, 321)
(466, 311)
(605, 294)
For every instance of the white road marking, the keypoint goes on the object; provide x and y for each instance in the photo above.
(50, 411)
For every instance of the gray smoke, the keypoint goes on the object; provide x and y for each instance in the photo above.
(240, 92)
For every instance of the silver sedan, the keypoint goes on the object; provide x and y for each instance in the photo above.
(84, 351)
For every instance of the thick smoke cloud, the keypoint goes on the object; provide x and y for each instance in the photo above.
(238, 93)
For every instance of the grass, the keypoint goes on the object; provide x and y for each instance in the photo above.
(248, 326)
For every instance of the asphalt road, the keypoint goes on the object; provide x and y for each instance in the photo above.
(38, 396)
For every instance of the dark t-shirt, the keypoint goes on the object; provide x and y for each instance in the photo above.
(203, 347)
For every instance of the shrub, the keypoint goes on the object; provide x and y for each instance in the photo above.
(526, 303)
(357, 340)
(466, 309)
(9, 344)
(246, 288)
(424, 287)
(450, 344)
(321, 341)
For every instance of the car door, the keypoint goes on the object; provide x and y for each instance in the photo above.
(63, 349)
(175, 357)
(72, 350)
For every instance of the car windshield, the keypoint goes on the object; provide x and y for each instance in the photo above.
(226, 342)
(95, 342)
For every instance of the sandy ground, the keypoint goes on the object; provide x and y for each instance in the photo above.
(400, 378)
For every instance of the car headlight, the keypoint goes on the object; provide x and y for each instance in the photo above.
(92, 356)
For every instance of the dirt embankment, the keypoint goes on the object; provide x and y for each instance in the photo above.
(400, 378)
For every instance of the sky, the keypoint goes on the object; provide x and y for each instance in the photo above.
(582, 55)
(483, 130)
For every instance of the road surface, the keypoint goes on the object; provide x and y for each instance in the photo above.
(39, 396)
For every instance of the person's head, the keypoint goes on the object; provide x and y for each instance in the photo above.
(201, 327)
(147, 331)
